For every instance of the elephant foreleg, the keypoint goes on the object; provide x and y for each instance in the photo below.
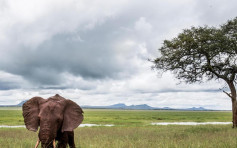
(71, 139)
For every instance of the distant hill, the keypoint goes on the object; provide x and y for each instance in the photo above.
(123, 106)
(142, 107)
(195, 108)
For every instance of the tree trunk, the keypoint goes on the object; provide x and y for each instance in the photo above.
(234, 103)
(234, 114)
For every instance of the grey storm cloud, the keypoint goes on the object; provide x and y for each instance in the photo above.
(6, 85)
(94, 41)
(9, 81)
(89, 54)
(89, 50)
(59, 54)
(92, 51)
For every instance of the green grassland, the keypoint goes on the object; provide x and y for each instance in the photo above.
(132, 130)
(144, 117)
(13, 116)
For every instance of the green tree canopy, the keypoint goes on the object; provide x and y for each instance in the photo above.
(203, 52)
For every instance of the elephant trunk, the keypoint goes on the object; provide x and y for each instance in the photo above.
(47, 137)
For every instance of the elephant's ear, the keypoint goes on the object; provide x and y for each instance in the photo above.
(73, 116)
(30, 113)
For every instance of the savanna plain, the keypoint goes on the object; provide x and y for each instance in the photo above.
(132, 129)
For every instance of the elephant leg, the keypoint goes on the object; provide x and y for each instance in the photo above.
(71, 139)
(61, 145)
(62, 140)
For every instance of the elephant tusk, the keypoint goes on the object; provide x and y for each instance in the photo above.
(54, 144)
(37, 143)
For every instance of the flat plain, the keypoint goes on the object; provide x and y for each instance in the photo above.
(132, 129)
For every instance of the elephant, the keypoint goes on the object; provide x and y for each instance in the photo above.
(56, 116)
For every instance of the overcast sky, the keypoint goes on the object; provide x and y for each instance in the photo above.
(96, 52)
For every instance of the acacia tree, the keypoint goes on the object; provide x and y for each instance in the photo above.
(203, 53)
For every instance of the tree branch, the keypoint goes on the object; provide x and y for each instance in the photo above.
(228, 94)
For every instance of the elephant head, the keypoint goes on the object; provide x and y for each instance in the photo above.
(52, 115)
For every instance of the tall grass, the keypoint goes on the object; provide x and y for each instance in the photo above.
(204, 136)
(17, 138)
(158, 137)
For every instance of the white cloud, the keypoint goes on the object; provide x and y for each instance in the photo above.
(143, 26)
(95, 52)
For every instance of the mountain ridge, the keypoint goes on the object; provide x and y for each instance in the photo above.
(126, 107)
(143, 107)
